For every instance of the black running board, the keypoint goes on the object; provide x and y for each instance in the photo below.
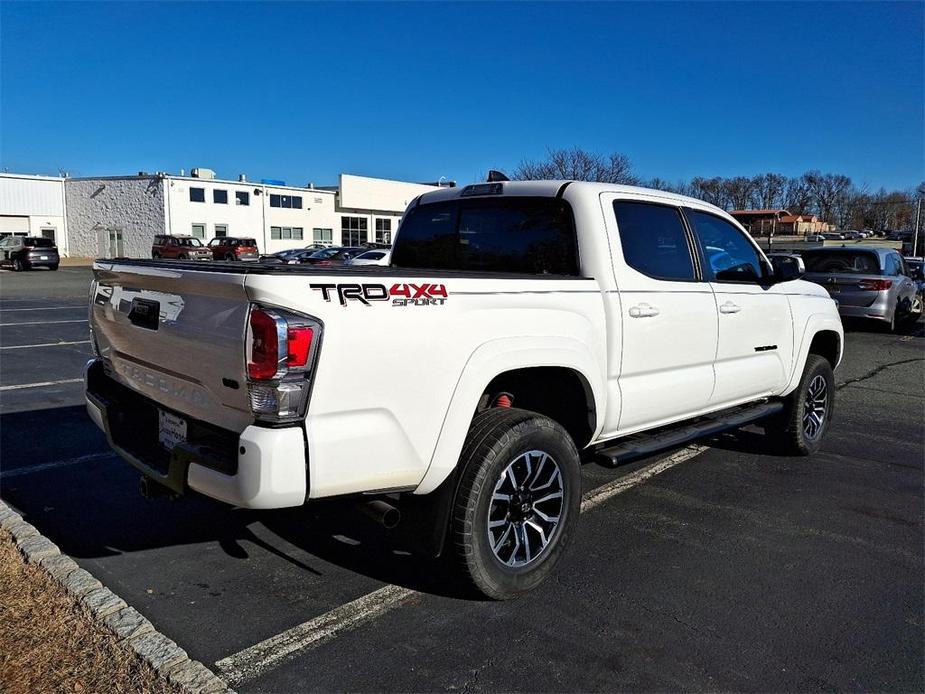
(647, 443)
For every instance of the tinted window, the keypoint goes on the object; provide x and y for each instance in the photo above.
(654, 241)
(220, 196)
(730, 257)
(38, 242)
(842, 262)
(197, 194)
(524, 235)
(242, 197)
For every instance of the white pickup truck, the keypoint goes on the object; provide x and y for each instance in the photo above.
(521, 329)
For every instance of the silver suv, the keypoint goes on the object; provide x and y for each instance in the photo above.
(867, 282)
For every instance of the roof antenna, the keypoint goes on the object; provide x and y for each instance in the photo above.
(496, 176)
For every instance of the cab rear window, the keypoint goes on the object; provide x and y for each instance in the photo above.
(527, 235)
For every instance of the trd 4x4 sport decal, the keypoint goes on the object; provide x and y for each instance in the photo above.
(424, 294)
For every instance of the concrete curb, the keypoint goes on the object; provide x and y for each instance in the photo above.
(109, 610)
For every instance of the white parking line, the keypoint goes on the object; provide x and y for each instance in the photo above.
(252, 662)
(45, 308)
(49, 344)
(45, 322)
(42, 384)
(89, 458)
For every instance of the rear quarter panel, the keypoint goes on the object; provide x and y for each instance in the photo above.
(388, 373)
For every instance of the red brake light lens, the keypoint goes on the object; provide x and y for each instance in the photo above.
(300, 346)
(264, 346)
(875, 285)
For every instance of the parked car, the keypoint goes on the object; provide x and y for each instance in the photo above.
(815, 237)
(868, 282)
(376, 256)
(833, 236)
(335, 255)
(179, 248)
(28, 252)
(502, 351)
(233, 248)
(852, 235)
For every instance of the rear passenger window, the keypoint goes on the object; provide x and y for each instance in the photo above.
(730, 256)
(513, 234)
(654, 241)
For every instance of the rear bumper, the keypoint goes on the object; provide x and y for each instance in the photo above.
(880, 309)
(36, 261)
(261, 468)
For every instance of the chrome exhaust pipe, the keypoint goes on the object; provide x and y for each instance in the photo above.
(384, 514)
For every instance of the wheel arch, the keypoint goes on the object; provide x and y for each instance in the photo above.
(513, 362)
(822, 335)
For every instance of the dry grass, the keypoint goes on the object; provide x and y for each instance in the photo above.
(49, 644)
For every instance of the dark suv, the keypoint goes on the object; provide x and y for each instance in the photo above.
(27, 252)
(231, 248)
(179, 247)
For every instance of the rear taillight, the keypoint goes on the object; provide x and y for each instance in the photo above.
(264, 359)
(282, 351)
(875, 285)
(323, 263)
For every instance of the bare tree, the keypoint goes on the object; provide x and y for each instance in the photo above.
(829, 194)
(797, 197)
(739, 191)
(769, 191)
(577, 164)
(711, 190)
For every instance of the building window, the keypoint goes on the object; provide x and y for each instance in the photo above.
(287, 201)
(353, 231)
(287, 233)
(199, 231)
(242, 197)
(197, 194)
(221, 230)
(325, 236)
(219, 196)
(383, 231)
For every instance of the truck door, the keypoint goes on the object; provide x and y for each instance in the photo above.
(667, 316)
(755, 347)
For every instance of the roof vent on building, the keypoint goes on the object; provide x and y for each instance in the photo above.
(202, 173)
(242, 178)
(311, 185)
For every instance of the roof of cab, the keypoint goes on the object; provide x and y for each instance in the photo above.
(552, 188)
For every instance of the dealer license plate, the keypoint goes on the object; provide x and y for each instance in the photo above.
(171, 429)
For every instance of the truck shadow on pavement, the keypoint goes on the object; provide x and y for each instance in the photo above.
(89, 503)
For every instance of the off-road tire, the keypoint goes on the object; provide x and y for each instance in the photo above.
(789, 428)
(497, 437)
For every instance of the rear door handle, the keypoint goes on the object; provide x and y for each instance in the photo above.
(730, 307)
(643, 311)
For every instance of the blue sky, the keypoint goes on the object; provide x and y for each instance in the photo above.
(417, 91)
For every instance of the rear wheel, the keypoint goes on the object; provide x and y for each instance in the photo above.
(808, 410)
(518, 500)
(53, 267)
(17, 265)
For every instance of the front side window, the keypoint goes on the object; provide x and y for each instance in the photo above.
(220, 196)
(730, 257)
(353, 230)
(516, 234)
(242, 197)
(654, 240)
(197, 194)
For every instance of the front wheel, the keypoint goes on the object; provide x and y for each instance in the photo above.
(808, 410)
(518, 500)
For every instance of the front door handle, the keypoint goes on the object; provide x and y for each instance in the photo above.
(730, 307)
(643, 311)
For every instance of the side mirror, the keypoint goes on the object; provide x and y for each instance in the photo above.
(787, 268)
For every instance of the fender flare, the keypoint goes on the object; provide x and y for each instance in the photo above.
(490, 360)
(816, 323)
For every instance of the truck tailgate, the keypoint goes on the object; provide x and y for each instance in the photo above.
(176, 336)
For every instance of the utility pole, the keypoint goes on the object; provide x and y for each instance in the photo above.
(917, 236)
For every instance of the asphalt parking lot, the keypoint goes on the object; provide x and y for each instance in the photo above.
(730, 569)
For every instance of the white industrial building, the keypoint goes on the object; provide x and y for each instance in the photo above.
(119, 215)
(33, 206)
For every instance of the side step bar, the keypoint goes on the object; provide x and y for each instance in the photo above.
(647, 443)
